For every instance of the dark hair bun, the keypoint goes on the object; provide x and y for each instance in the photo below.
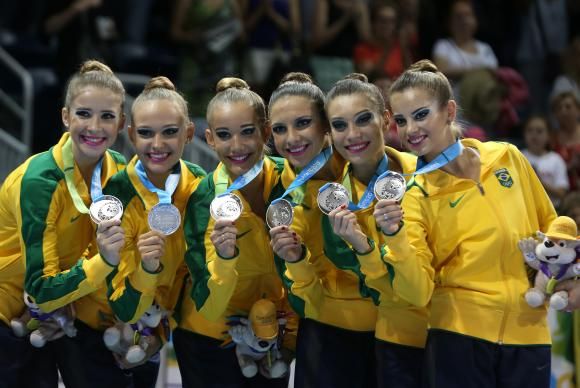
(301, 78)
(357, 76)
(231, 82)
(94, 65)
(159, 83)
(424, 65)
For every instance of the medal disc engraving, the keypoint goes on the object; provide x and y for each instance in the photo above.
(164, 218)
(226, 207)
(391, 185)
(332, 197)
(279, 213)
(106, 208)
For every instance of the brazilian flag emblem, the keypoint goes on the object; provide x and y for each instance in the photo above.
(504, 177)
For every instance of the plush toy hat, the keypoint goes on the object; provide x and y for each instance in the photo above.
(264, 320)
(563, 228)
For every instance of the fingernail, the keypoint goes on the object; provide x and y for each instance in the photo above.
(293, 233)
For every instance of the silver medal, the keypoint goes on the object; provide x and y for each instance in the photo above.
(279, 213)
(164, 218)
(332, 197)
(226, 207)
(391, 185)
(106, 208)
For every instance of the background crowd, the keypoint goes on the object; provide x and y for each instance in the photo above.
(514, 65)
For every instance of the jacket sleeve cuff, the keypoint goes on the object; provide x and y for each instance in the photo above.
(371, 263)
(398, 247)
(222, 268)
(145, 281)
(301, 270)
(96, 269)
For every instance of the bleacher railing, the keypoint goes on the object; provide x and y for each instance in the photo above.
(14, 150)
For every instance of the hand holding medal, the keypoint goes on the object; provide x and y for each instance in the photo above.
(286, 243)
(110, 240)
(223, 238)
(151, 246)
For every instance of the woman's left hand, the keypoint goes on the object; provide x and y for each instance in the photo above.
(345, 225)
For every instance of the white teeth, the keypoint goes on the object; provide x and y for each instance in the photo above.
(158, 156)
(93, 139)
(416, 140)
(297, 149)
(357, 147)
(239, 158)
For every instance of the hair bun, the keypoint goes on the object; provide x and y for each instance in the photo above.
(231, 82)
(424, 65)
(160, 82)
(94, 65)
(357, 76)
(298, 77)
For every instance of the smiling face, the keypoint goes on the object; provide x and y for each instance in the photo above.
(537, 135)
(159, 132)
(298, 131)
(357, 130)
(93, 119)
(236, 136)
(422, 124)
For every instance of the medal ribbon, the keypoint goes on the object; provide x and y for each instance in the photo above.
(69, 170)
(170, 183)
(305, 175)
(446, 156)
(239, 183)
(368, 196)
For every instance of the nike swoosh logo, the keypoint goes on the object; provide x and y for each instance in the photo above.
(239, 236)
(73, 219)
(454, 203)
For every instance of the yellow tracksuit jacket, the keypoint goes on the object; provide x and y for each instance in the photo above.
(46, 245)
(222, 287)
(325, 285)
(132, 289)
(458, 248)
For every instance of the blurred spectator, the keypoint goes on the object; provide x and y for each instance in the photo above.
(207, 32)
(274, 31)
(389, 51)
(543, 37)
(549, 166)
(461, 52)
(81, 29)
(569, 81)
(566, 110)
(571, 207)
(337, 26)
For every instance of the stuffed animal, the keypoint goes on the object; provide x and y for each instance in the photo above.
(131, 340)
(43, 327)
(555, 258)
(258, 341)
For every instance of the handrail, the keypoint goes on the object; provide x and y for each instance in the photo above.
(26, 112)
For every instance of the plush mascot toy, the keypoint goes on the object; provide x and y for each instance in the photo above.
(555, 258)
(258, 340)
(44, 327)
(131, 340)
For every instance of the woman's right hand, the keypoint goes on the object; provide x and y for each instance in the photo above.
(110, 240)
(151, 246)
(286, 243)
(223, 238)
(388, 215)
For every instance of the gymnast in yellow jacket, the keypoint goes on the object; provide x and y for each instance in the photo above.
(154, 190)
(357, 115)
(336, 332)
(457, 243)
(231, 263)
(47, 239)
